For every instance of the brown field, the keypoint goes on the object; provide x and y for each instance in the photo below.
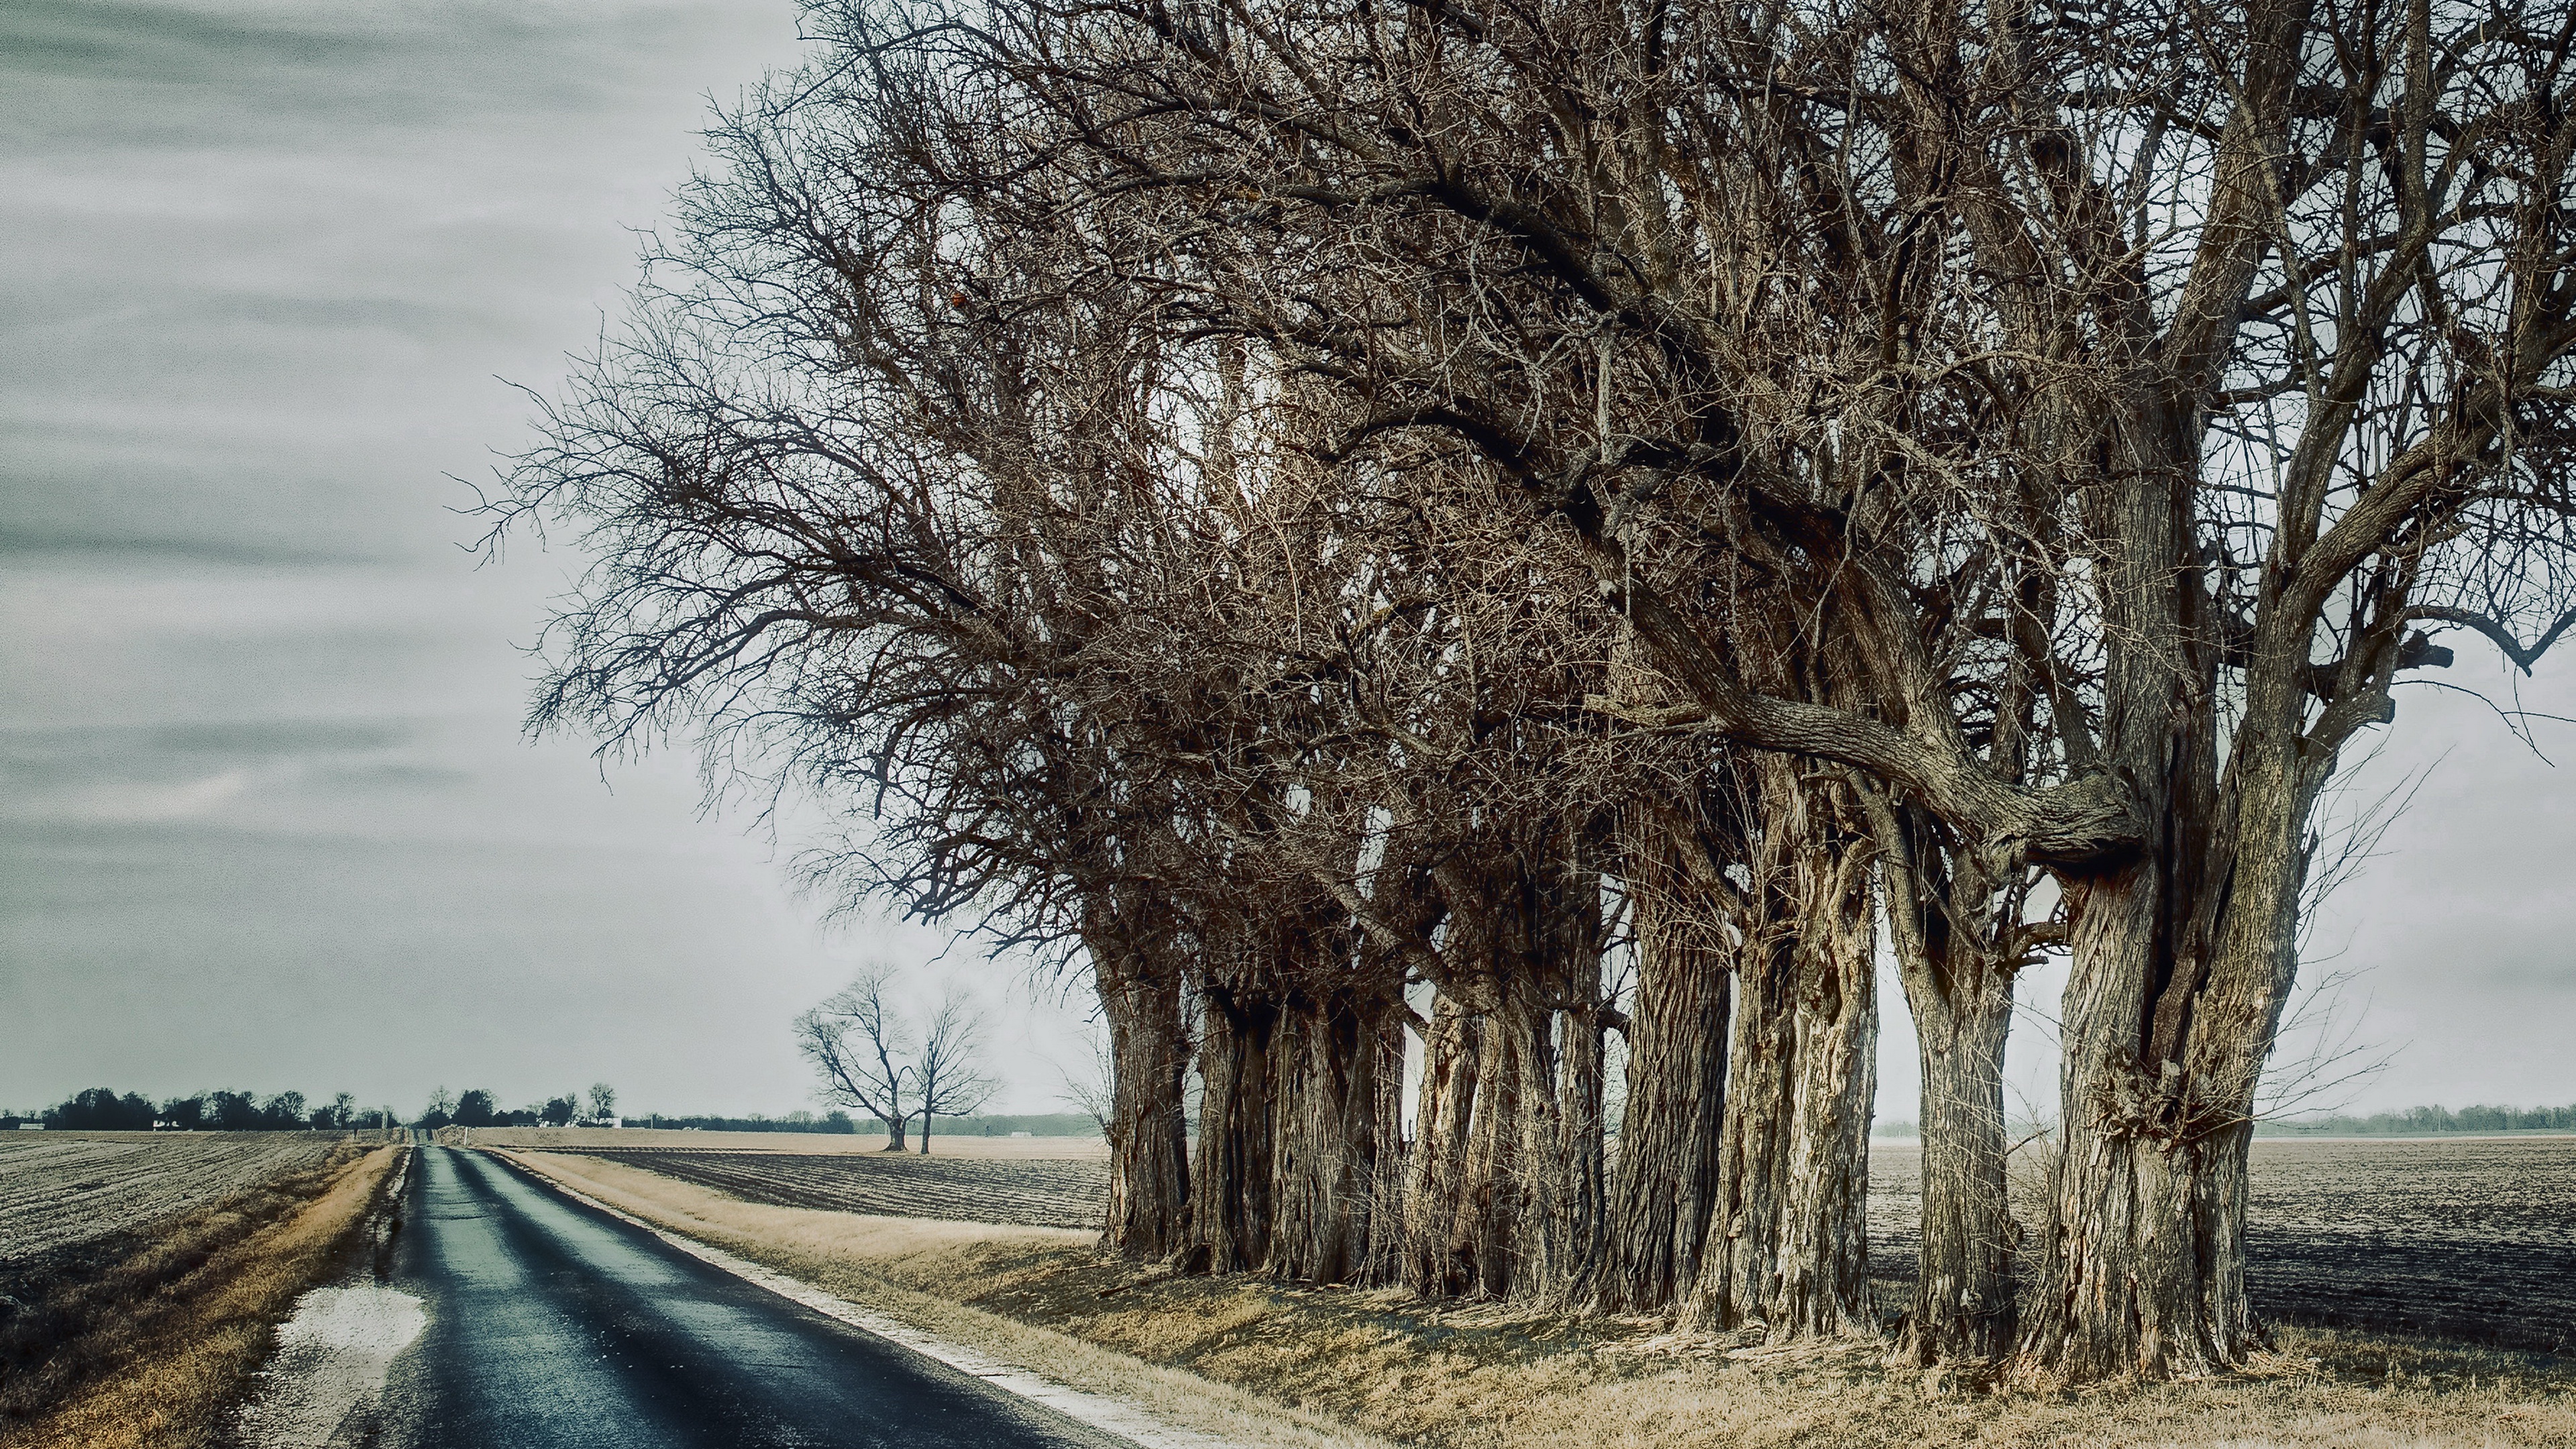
(1028, 1192)
(830, 1144)
(2469, 1239)
(2466, 1239)
(59, 1189)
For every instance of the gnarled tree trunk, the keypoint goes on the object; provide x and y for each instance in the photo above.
(1664, 1183)
(1821, 1283)
(1149, 1180)
(1231, 1181)
(1957, 941)
(1330, 1056)
(1786, 1250)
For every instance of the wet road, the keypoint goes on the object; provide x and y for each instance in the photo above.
(553, 1324)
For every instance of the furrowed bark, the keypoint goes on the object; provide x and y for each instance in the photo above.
(1665, 1184)
(1232, 1178)
(1149, 1183)
(1821, 1285)
(1785, 1251)
(1954, 940)
(1432, 1261)
(1330, 1057)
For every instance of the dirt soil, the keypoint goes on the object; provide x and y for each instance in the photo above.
(60, 1189)
(2461, 1238)
(1029, 1193)
(143, 1339)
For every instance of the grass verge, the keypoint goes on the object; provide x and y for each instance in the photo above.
(1324, 1360)
(148, 1338)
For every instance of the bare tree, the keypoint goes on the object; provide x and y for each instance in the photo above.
(603, 1101)
(855, 1039)
(950, 1068)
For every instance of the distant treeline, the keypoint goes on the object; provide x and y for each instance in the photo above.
(103, 1109)
(1044, 1124)
(792, 1122)
(2418, 1120)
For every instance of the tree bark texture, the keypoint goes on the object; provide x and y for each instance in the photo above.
(1664, 1182)
(1786, 1248)
(2183, 957)
(1432, 1261)
(1232, 1179)
(1955, 934)
(1149, 1179)
(1329, 1057)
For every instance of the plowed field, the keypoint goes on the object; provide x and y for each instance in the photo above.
(2462, 1238)
(1041, 1193)
(59, 1189)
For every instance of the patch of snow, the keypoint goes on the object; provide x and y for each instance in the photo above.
(331, 1362)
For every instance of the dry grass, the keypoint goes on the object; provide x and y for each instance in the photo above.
(149, 1346)
(1512, 1380)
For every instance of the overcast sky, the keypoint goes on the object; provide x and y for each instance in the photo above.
(266, 817)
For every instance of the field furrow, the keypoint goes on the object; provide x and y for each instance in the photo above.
(1040, 1193)
(59, 1189)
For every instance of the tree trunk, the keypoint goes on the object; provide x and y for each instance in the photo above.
(1821, 1284)
(1434, 1264)
(1753, 1140)
(1327, 1056)
(1230, 1207)
(1786, 1249)
(1957, 941)
(2183, 956)
(1963, 1309)
(895, 1132)
(1664, 1185)
(2144, 1263)
(1492, 1190)
(1149, 1180)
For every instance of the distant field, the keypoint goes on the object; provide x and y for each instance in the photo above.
(2462, 1238)
(1028, 1191)
(2458, 1238)
(58, 1189)
(586, 1139)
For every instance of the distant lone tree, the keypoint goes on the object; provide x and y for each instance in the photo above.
(853, 1039)
(603, 1101)
(953, 1081)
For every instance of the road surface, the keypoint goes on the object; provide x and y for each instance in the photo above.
(552, 1325)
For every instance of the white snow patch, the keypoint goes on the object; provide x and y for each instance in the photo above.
(332, 1358)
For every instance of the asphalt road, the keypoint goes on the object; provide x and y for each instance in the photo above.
(553, 1324)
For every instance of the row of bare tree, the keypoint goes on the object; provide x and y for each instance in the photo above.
(1290, 502)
